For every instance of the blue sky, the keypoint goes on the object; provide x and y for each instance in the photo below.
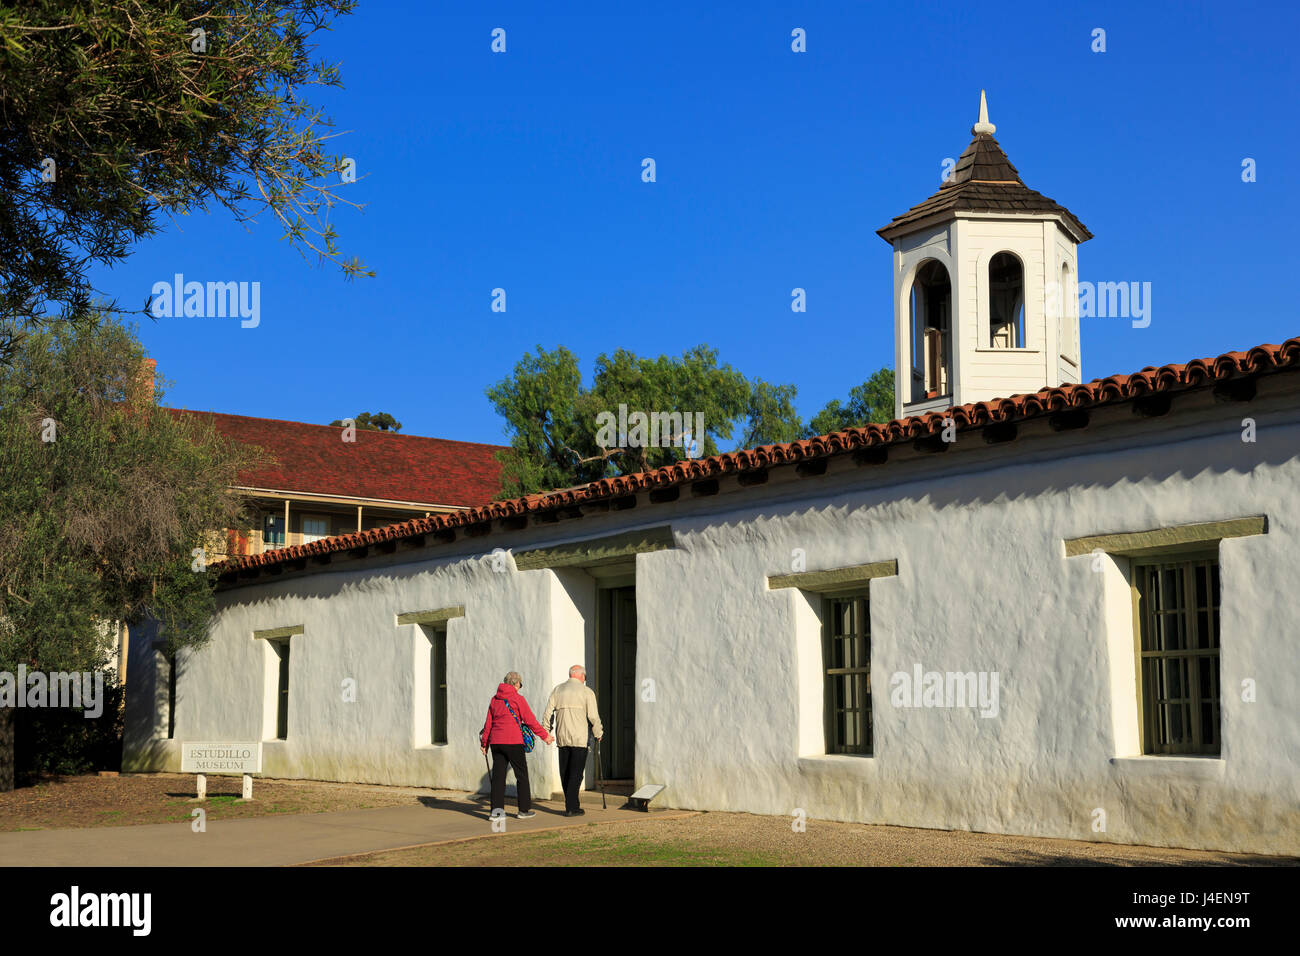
(774, 169)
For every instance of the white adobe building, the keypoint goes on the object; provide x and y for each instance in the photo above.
(1063, 613)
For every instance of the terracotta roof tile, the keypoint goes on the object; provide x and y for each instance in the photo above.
(1115, 388)
(313, 459)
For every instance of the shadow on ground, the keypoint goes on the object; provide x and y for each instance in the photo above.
(1035, 858)
(480, 806)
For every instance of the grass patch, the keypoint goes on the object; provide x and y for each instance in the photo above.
(140, 799)
(639, 851)
(594, 849)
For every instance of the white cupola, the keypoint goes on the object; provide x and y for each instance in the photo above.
(985, 273)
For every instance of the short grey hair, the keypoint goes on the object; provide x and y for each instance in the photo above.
(577, 670)
(514, 678)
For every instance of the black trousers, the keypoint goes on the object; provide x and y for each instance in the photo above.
(509, 755)
(573, 762)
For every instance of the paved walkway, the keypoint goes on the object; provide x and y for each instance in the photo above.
(296, 838)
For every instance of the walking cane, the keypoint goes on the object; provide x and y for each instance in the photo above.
(600, 784)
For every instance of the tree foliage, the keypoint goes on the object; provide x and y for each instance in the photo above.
(117, 111)
(375, 422)
(554, 419)
(771, 417)
(104, 496)
(872, 402)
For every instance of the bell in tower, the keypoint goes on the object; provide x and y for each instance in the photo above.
(983, 277)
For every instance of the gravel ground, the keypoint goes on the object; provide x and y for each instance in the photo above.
(741, 839)
(93, 801)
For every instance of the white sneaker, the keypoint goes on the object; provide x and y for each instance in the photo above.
(528, 816)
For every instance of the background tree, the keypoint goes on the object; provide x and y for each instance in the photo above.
(540, 405)
(552, 417)
(118, 110)
(771, 416)
(104, 495)
(694, 383)
(376, 422)
(872, 402)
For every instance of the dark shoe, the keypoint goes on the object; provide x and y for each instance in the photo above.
(577, 813)
(527, 814)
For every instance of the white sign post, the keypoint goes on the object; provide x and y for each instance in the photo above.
(222, 758)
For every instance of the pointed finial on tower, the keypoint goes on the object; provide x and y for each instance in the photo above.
(983, 126)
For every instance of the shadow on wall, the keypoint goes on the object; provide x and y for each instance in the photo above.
(988, 480)
(334, 584)
(152, 756)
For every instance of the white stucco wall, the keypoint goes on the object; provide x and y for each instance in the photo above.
(983, 584)
(227, 689)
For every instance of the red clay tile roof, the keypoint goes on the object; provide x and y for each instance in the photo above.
(982, 181)
(313, 459)
(1150, 381)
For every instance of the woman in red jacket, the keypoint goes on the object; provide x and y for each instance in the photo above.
(504, 735)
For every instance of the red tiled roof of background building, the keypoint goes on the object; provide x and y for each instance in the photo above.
(1115, 389)
(388, 466)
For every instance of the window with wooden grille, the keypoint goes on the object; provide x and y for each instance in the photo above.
(1178, 612)
(847, 657)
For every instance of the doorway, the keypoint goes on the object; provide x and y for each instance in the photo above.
(616, 679)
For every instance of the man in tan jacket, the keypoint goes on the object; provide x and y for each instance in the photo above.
(573, 704)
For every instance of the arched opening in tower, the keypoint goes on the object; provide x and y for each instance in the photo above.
(931, 332)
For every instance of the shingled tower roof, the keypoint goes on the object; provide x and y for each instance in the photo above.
(983, 181)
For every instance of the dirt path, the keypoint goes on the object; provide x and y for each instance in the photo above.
(741, 839)
(85, 818)
(283, 839)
